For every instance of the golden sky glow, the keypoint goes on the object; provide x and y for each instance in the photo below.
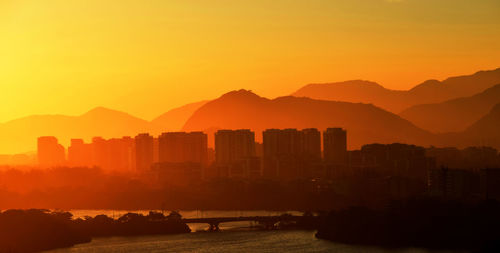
(145, 57)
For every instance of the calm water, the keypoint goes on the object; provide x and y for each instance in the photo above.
(232, 238)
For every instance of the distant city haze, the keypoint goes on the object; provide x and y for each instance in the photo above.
(66, 57)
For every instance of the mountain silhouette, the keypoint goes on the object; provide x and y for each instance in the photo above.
(485, 132)
(365, 123)
(361, 114)
(431, 91)
(453, 115)
(355, 91)
(174, 119)
(20, 135)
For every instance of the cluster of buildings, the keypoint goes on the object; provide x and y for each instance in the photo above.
(285, 154)
(465, 173)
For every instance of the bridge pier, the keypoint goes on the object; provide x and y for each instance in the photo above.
(213, 227)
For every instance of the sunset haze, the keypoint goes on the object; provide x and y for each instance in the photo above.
(145, 58)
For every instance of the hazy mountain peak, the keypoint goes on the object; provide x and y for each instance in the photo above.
(343, 84)
(430, 91)
(361, 82)
(485, 131)
(453, 115)
(428, 84)
(103, 112)
(366, 123)
(99, 110)
(241, 94)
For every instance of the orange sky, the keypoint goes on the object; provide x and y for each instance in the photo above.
(145, 57)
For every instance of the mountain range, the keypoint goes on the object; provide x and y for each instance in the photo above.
(21, 135)
(431, 91)
(453, 115)
(485, 132)
(366, 123)
(175, 119)
(464, 105)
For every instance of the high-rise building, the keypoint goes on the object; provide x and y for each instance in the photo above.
(144, 146)
(335, 146)
(235, 154)
(452, 183)
(490, 183)
(181, 147)
(282, 142)
(396, 159)
(311, 144)
(120, 153)
(114, 154)
(129, 148)
(289, 153)
(50, 152)
(100, 154)
(79, 153)
(234, 145)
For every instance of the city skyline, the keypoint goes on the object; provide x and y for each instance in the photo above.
(229, 147)
(249, 126)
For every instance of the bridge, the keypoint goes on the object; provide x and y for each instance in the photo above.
(269, 222)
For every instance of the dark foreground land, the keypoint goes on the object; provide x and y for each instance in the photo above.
(420, 223)
(37, 230)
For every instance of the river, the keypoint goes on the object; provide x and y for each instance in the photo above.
(234, 237)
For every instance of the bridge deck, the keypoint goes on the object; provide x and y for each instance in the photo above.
(247, 218)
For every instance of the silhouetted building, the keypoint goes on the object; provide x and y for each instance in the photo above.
(311, 144)
(50, 152)
(235, 154)
(233, 145)
(468, 158)
(100, 152)
(120, 154)
(156, 150)
(453, 183)
(289, 153)
(480, 157)
(335, 146)
(446, 157)
(144, 148)
(402, 160)
(490, 183)
(129, 144)
(79, 153)
(115, 154)
(181, 147)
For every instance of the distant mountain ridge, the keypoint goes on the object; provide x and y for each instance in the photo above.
(486, 131)
(20, 135)
(453, 115)
(365, 123)
(431, 91)
(174, 119)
